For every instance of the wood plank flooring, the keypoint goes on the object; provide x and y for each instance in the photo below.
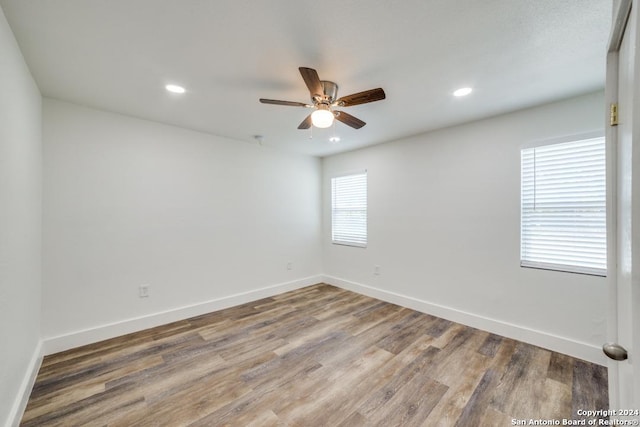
(318, 356)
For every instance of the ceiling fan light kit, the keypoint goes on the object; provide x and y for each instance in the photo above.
(322, 117)
(324, 98)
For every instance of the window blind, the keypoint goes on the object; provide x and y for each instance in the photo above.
(349, 210)
(563, 207)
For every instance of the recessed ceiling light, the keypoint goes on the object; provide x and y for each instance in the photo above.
(334, 139)
(463, 91)
(175, 88)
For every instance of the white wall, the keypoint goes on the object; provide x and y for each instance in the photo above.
(444, 224)
(199, 218)
(20, 225)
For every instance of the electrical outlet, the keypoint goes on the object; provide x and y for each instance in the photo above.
(376, 270)
(289, 265)
(143, 291)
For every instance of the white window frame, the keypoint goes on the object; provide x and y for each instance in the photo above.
(563, 211)
(349, 209)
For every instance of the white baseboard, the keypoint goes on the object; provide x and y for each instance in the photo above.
(22, 398)
(546, 340)
(111, 330)
(542, 339)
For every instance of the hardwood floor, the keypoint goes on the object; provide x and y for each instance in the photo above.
(318, 356)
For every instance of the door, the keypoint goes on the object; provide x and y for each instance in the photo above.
(623, 89)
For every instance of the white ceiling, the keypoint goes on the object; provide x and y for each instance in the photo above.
(117, 55)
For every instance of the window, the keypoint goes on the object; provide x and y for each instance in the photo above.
(349, 210)
(563, 207)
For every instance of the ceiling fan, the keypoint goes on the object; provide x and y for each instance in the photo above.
(324, 101)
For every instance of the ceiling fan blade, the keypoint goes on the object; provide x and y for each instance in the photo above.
(306, 123)
(277, 102)
(349, 120)
(311, 79)
(361, 98)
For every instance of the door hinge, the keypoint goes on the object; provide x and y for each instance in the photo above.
(613, 115)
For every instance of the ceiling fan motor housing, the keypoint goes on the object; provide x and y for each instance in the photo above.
(330, 90)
